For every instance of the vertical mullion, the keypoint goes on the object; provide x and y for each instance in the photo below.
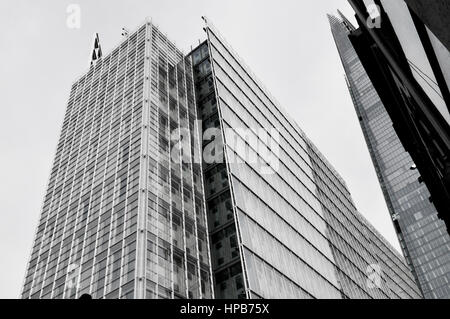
(128, 165)
(141, 238)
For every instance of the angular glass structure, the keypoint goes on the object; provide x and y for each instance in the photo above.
(423, 236)
(277, 199)
(181, 177)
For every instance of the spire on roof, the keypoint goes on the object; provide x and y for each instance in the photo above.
(97, 50)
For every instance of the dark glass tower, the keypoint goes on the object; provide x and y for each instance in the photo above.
(409, 68)
(422, 235)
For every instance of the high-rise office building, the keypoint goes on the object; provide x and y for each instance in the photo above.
(422, 235)
(181, 177)
(120, 219)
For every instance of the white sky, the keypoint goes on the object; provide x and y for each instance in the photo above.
(287, 43)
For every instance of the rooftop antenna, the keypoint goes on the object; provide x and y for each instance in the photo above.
(97, 50)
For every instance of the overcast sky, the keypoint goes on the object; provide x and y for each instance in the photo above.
(288, 45)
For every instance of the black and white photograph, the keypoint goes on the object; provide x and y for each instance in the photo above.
(214, 152)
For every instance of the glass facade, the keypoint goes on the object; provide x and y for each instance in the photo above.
(423, 237)
(122, 218)
(297, 232)
(180, 177)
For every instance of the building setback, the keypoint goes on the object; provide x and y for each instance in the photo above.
(131, 212)
(423, 237)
